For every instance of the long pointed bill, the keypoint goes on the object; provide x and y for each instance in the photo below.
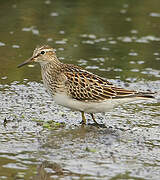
(28, 61)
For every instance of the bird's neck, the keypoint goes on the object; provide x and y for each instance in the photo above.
(54, 65)
(51, 75)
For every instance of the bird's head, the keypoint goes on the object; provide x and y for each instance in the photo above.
(43, 55)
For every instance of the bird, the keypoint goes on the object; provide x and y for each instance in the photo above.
(78, 89)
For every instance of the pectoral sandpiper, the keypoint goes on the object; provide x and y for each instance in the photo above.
(76, 88)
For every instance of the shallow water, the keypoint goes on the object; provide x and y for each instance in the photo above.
(115, 39)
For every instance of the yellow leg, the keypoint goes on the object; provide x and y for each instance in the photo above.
(93, 118)
(83, 118)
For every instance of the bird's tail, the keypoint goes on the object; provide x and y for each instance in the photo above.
(146, 95)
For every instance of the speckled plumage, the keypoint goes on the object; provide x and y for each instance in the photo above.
(78, 89)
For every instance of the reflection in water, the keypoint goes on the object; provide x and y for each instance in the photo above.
(48, 171)
(74, 143)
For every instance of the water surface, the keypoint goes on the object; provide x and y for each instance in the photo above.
(118, 40)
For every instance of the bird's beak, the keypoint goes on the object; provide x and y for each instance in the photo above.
(28, 61)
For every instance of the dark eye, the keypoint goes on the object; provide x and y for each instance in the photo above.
(42, 52)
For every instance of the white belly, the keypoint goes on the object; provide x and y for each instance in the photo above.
(90, 107)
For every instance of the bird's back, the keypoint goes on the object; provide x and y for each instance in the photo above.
(85, 86)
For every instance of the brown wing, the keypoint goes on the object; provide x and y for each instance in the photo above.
(85, 86)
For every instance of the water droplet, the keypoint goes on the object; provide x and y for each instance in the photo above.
(123, 11)
(92, 36)
(61, 49)
(31, 65)
(47, 2)
(112, 42)
(154, 14)
(105, 49)
(61, 32)
(88, 42)
(60, 42)
(132, 62)
(134, 70)
(75, 45)
(54, 14)
(128, 19)
(49, 39)
(15, 46)
(2, 44)
(4, 77)
(134, 31)
(133, 54)
(156, 54)
(140, 62)
(35, 31)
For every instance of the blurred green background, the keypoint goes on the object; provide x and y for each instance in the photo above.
(115, 39)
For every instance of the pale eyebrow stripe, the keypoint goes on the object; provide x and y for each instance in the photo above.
(47, 50)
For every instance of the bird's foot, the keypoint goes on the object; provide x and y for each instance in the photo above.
(95, 124)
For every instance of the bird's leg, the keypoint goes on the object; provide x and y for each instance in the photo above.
(96, 123)
(94, 118)
(83, 118)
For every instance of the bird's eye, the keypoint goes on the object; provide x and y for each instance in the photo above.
(42, 52)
